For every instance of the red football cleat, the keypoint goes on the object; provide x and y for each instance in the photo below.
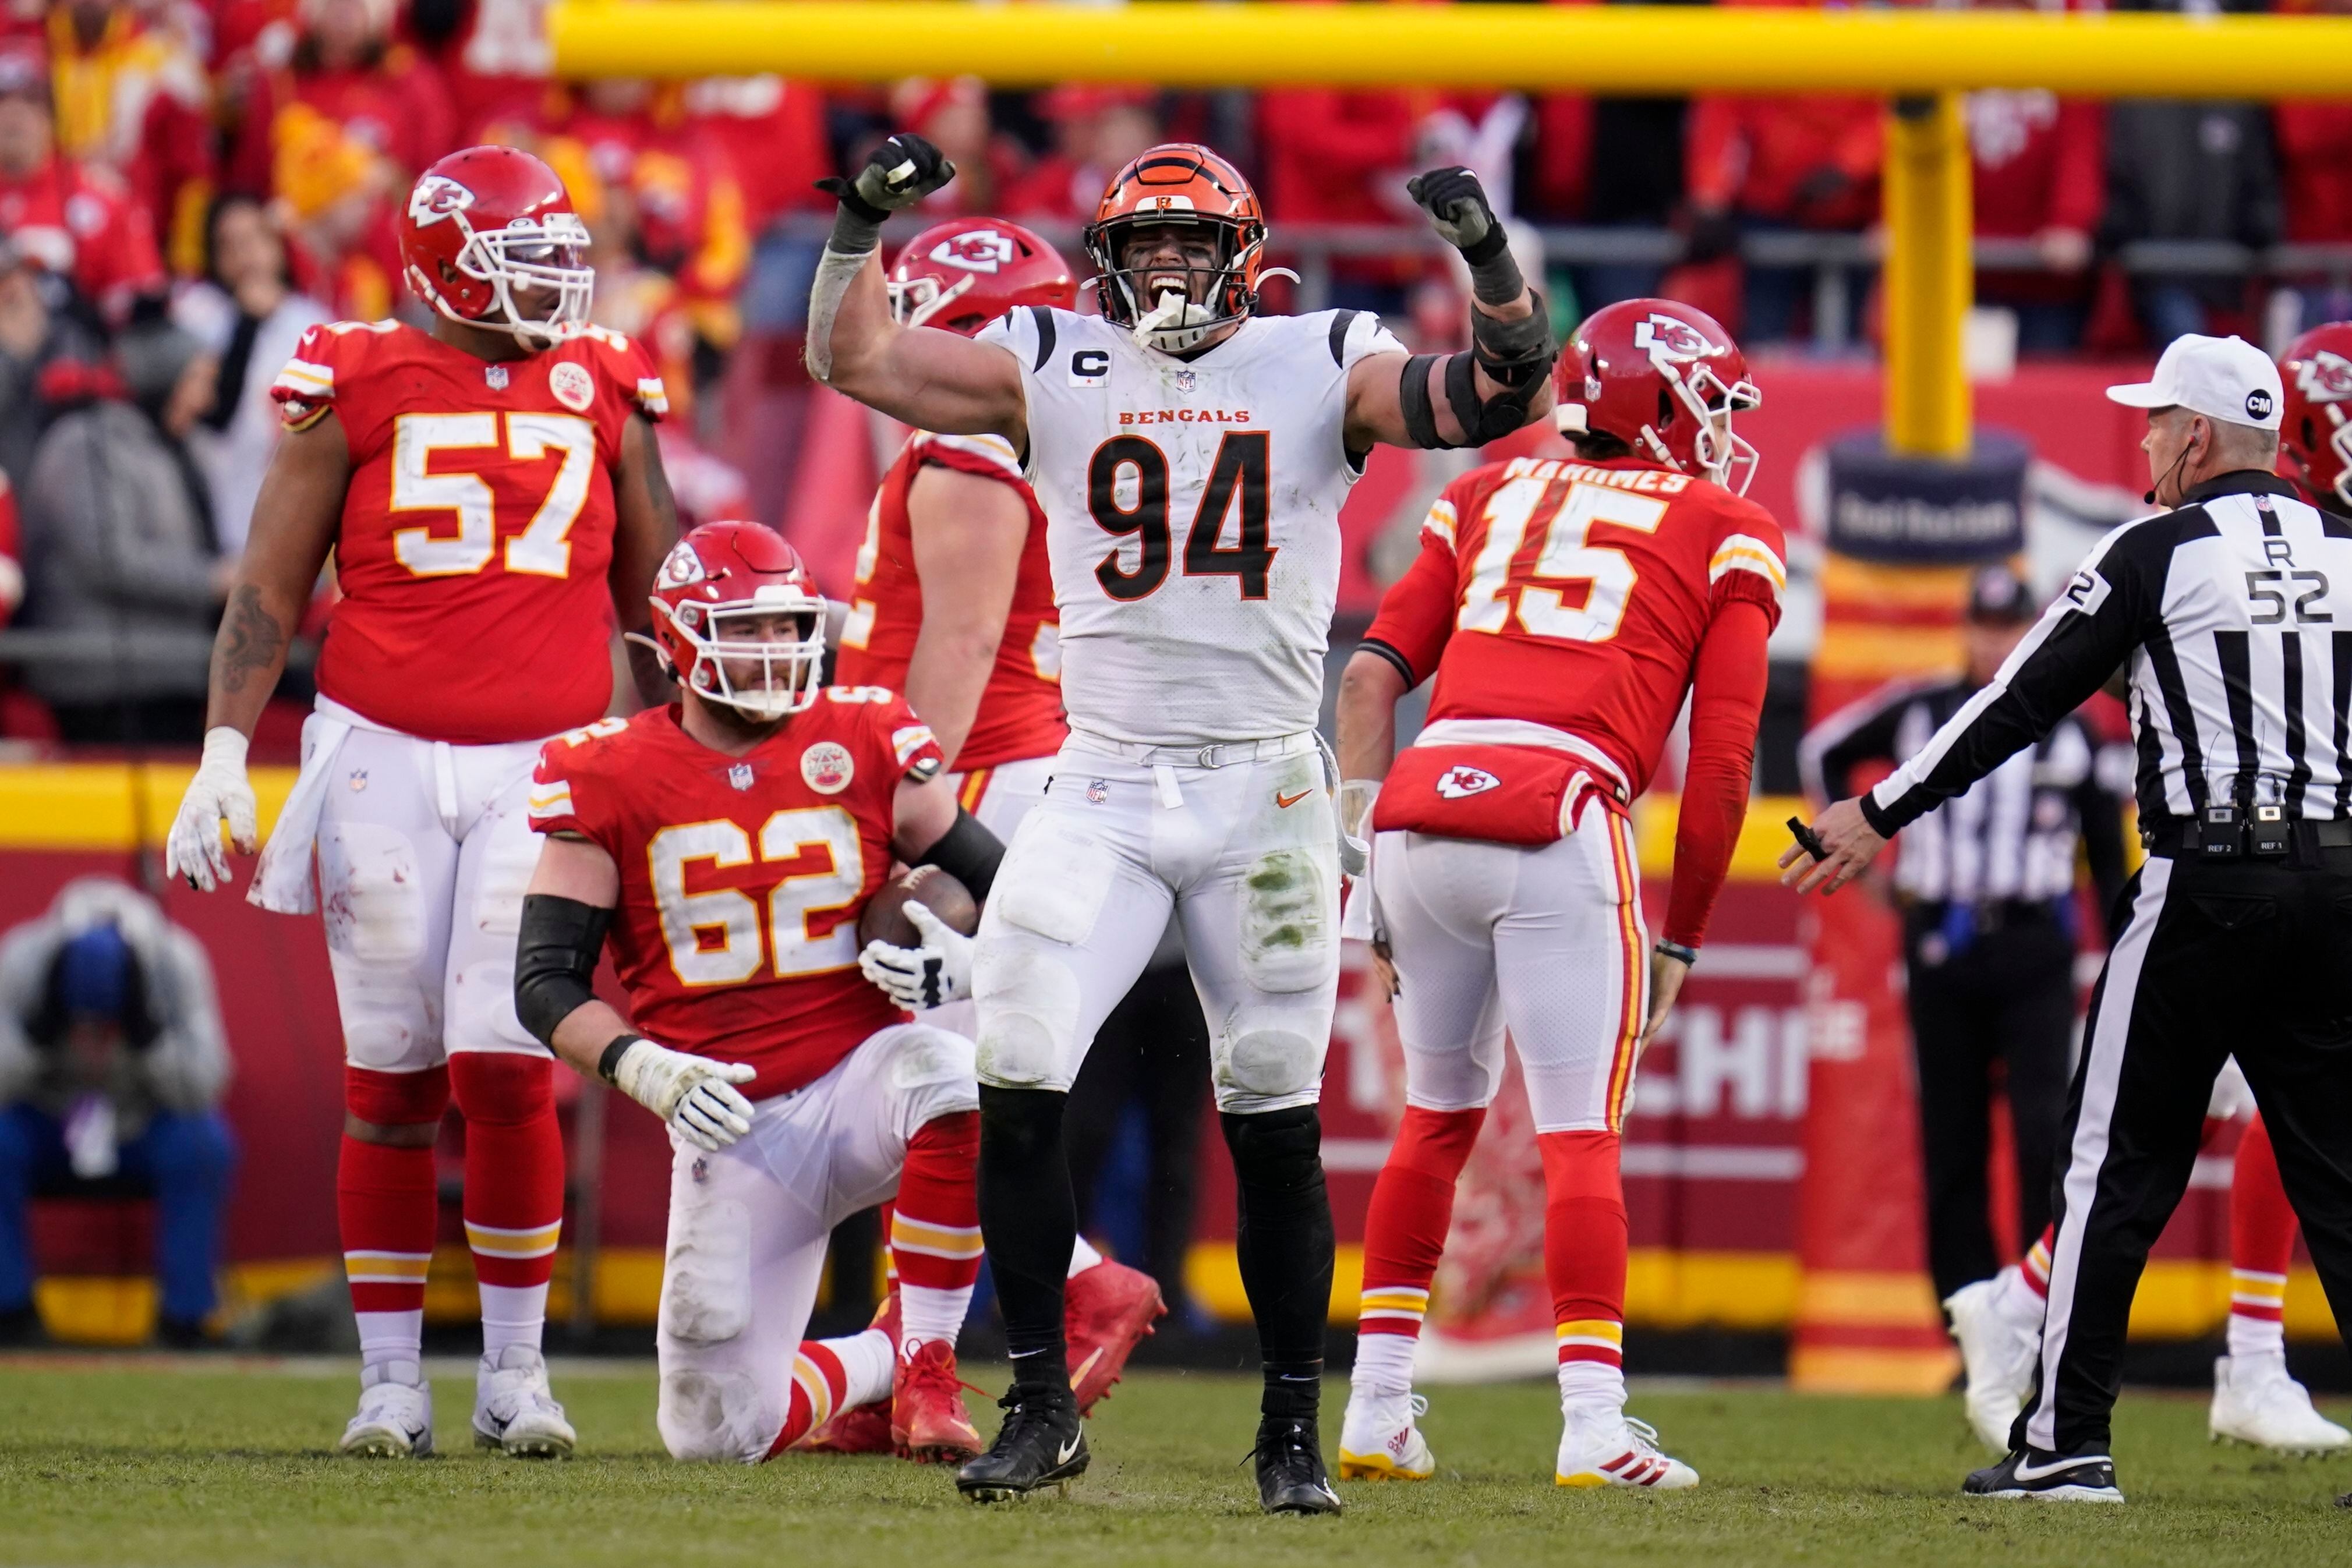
(926, 1415)
(861, 1429)
(1106, 1312)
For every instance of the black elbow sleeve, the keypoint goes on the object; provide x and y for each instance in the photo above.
(555, 961)
(968, 852)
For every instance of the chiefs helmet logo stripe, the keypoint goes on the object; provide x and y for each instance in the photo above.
(2324, 376)
(1744, 552)
(1674, 338)
(976, 250)
(436, 197)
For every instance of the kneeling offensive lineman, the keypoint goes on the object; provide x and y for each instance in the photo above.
(1566, 605)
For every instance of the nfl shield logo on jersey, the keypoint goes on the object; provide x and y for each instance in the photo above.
(1186, 380)
(1455, 783)
(827, 767)
(739, 775)
(497, 376)
(1098, 792)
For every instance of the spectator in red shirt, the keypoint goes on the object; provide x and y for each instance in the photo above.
(1096, 131)
(346, 69)
(773, 132)
(1328, 157)
(77, 222)
(2039, 175)
(2315, 152)
(1759, 164)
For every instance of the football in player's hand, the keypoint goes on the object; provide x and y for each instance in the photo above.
(883, 918)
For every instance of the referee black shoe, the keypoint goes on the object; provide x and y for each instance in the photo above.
(1041, 1444)
(1289, 1462)
(2081, 1477)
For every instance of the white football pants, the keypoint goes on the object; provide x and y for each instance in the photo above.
(749, 1223)
(1546, 943)
(999, 798)
(425, 851)
(1245, 852)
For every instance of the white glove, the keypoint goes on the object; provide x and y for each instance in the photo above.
(219, 792)
(933, 974)
(696, 1095)
(1356, 799)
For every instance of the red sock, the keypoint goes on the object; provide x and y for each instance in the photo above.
(2261, 1239)
(819, 1383)
(387, 1208)
(1584, 1245)
(514, 1188)
(935, 1228)
(1404, 1232)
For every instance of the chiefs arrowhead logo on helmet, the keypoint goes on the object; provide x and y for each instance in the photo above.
(683, 566)
(960, 274)
(2324, 376)
(976, 250)
(436, 197)
(1673, 337)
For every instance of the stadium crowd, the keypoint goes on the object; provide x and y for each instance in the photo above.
(185, 185)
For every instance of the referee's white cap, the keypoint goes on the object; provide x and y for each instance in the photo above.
(2221, 378)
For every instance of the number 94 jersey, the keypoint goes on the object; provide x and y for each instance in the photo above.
(1192, 516)
(1575, 595)
(477, 528)
(742, 877)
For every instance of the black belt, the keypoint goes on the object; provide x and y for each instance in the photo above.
(2301, 843)
(1989, 915)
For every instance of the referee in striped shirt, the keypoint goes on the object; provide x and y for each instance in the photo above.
(1986, 889)
(2228, 618)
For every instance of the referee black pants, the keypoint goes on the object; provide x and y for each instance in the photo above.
(2008, 996)
(2244, 957)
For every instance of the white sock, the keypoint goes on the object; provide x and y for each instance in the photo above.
(1591, 1392)
(1383, 1363)
(868, 1362)
(927, 1313)
(390, 1336)
(511, 1314)
(1083, 1257)
(2256, 1336)
(2016, 1301)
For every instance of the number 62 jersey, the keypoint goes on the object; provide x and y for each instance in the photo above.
(742, 877)
(477, 528)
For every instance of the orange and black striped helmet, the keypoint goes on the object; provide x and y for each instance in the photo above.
(1183, 182)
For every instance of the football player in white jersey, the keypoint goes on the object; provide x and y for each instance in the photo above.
(1191, 456)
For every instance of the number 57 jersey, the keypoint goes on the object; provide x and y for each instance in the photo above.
(1574, 596)
(1192, 516)
(477, 527)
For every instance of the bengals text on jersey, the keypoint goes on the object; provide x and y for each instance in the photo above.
(1021, 710)
(742, 877)
(477, 528)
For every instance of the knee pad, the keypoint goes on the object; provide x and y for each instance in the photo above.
(1582, 1165)
(707, 1276)
(713, 1415)
(1021, 1125)
(396, 1099)
(930, 1074)
(1436, 1143)
(1029, 1001)
(1277, 1149)
(1261, 1056)
(1288, 939)
(502, 1086)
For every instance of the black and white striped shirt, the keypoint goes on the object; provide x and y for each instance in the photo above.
(2233, 615)
(2011, 835)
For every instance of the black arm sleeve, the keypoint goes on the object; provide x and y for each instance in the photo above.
(555, 961)
(2088, 631)
(968, 852)
(1864, 732)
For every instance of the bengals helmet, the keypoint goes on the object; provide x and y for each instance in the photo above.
(1179, 183)
(964, 274)
(2315, 426)
(490, 239)
(1665, 380)
(711, 600)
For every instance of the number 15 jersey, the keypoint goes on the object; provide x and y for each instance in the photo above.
(1192, 516)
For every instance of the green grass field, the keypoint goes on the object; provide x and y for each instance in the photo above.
(172, 1462)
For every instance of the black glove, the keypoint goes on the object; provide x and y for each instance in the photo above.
(1457, 208)
(897, 173)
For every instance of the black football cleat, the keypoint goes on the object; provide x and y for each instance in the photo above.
(2082, 1478)
(1289, 1462)
(1041, 1444)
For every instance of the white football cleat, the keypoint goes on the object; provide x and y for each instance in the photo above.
(395, 1415)
(515, 1413)
(1997, 1356)
(1379, 1442)
(1623, 1454)
(2254, 1401)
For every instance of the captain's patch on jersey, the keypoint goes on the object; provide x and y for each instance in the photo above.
(1089, 368)
(827, 767)
(1457, 783)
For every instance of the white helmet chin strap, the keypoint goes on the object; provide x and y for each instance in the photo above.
(1176, 324)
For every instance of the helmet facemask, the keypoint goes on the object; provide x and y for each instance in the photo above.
(741, 663)
(1162, 317)
(2339, 441)
(916, 301)
(545, 256)
(1722, 454)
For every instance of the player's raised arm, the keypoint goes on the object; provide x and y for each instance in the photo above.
(1499, 383)
(294, 522)
(924, 377)
(645, 526)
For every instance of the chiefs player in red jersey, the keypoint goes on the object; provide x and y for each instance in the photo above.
(980, 659)
(725, 846)
(1566, 606)
(491, 493)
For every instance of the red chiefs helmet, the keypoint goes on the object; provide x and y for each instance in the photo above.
(715, 600)
(2315, 426)
(1179, 183)
(1665, 378)
(490, 239)
(964, 274)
